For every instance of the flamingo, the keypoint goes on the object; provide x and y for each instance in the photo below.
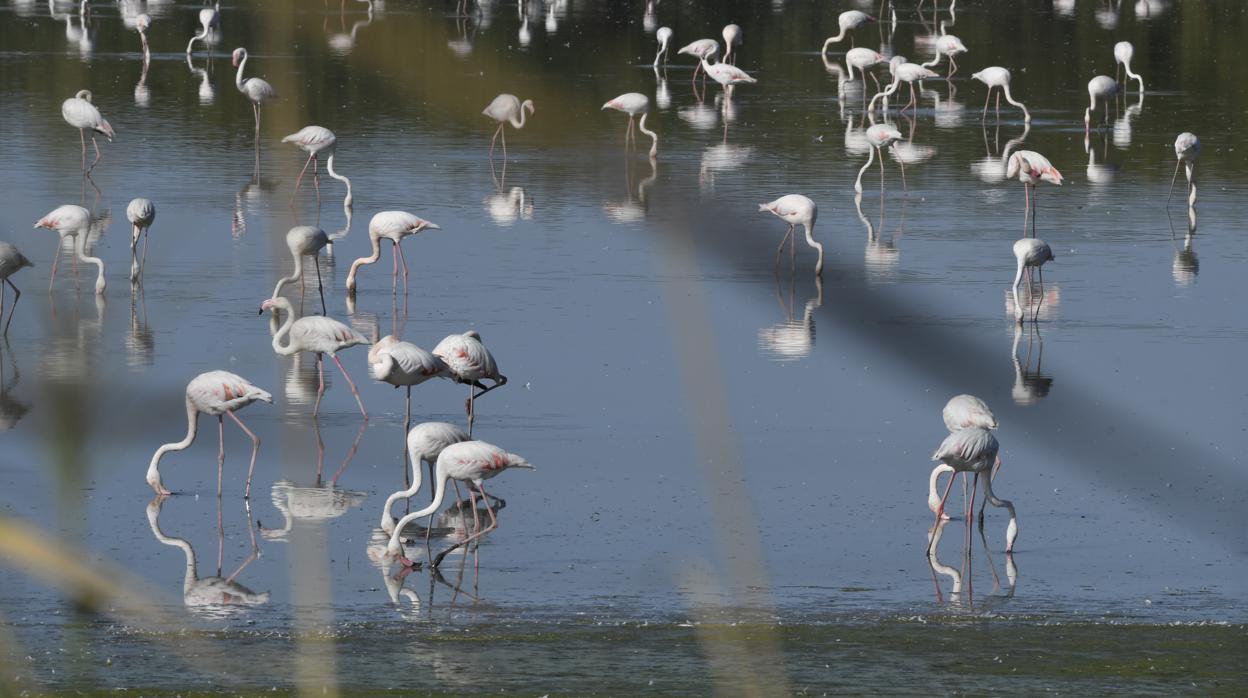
(311, 140)
(403, 364)
(847, 21)
(466, 461)
(732, 37)
(214, 393)
(254, 89)
(304, 241)
(1186, 149)
(947, 45)
(72, 220)
(961, 412)
(726, 75)
(470, 363)
(634, 103)
(141, 213)
(210, 21)
(701, 50)
(1030, 252)
(11, 260)
(973, 450)
(1101, 87)
(862, 58)
(393, 226)
(1031, 168)
(141, 24)
(507, 109)
(998, 77)
(79, 112)
(795, 210)
(425, 442)
(881, 136)
(1123, 53)
(663, 35)
(903, 71)
(318, 335)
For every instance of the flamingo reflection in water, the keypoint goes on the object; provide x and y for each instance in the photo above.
(217, 595)
(991, 168)
(957, 576)
(634, 208)
(1031, 384)
(791, 339)
(11, 408)
(881, 254)
(972, 450)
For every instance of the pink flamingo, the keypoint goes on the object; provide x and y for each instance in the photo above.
(847, 21)
(973, 450)
(304, 241)
(881, 136)
(998, 77)
(947, 45)
(312, 140)
(1031, 168)
(141, 213)
(795, 210)
(79, 112)
(701, 50)
(634, 103)
(507, 109)
(1029, 253)
(403, 364)
(425, 442)
(1186, 150)
(470, 362)
(255, 89)
(73, 221)
(392, 226)
(318, 335)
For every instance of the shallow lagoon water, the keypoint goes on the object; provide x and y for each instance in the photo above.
(720, 443)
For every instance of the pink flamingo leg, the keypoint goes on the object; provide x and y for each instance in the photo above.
(351, 383)
(300, 177)
(403, 259)
(320, 387)
(221, 453)
(480, 532)
(55, 258)
(255, 448)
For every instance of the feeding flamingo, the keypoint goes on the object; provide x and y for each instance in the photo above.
(1031, 168)
(214, 393)
(254, 89)
(881, 136)
(732, 37)
(903, 71)
(1123, 53)
(392, 226)
(1103, 88)
(663, 35)
(73, 221)
(863, 58)
(304, 241)
(998, 77)
(312, 140)
(795, 210)
(701, 50)
(947, 45)
(425, 442)
(141, 213)
(209, 21)
(1186, 149)
(11, 260)
(467, 461)
(961, 412)
(1029, 253)
(470, 363)
(79, 112)
(973, 450)
(848, 21)
(634, 103)
(507, 109)
(318, 335)
(726, 75)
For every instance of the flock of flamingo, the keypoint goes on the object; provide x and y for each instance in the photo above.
(451, 453)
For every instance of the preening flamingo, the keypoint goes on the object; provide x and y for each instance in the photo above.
(392, 226)
(881, 136)
(470, 363)
(973, 450)
(507, 109)
(215, 393)
(903, 71)
(1029, 253)
(1103, 88)
(254, 89)
(862, 58)
(425, 442)
(318, 335)
(998, 77)
(1123, 53)
(403, 364)
(732, 37)
(947, 45)
(72, 220)
(848, 21)
(312, 140)
(795, 210)
(467, 461)
(701, 50)
(304, 241)
(209, 21)
(726, 75)
(663, 35)
(1186, 149)
(634, 103)
(79, 112)
(11, 260)
(1031, 168)
(141, 213)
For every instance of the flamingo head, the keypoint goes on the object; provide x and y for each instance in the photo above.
(1052, 176)
(84, 94)
(239, 55)
(274, 304)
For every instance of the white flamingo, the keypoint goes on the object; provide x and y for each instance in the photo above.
(318, 335)
(312, 140)
(209, 22)
(141, 213)
(505, 109)
(304, 241)
(1123, 53)
(255, 89)
(1186, 150)
(425, 442)
(1100, 88)
(79, 112)
(403, 365)
(847, 21)
(732, 38)
(973, 450)
(947, 45)
(795, 210)
(1029, 253)
(634, 103)
(701, 50)
(664, 36)
(470, 363)
(881, 136)
(999, 78)
(74, 221)
(392, 226)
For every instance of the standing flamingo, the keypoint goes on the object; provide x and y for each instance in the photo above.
(79, 112)
(393, 226)
(1186, 149)
(998, 77)
(701, 50)
(947, 45)
(403, 364)
(1103, 88)
(663, 35)
(634, 103)
(903, 71)
(425, 442)
(1030, 252)
(141, 213)
(74, 221)
(254, 89)
(862, 58)
(215, 393)
(507, 109)
(304, 241)
(848, 21)
(210, 21)
(11, 260)
(467, 461)
(795, 210)
(470, 363)
(726, 75)
(1031, 168)
(732, 37)
(881, 136)
(311, 140)
(961, 412)
(1123, 53)
(141, 24)
(318, 335)
(973, 450)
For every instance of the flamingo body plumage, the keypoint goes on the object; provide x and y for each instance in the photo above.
(796, 209)
(392, 226)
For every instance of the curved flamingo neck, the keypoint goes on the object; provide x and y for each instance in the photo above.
(641, 126)
(1018, 277)
(870, 159)
(283, 332)
(191, 576)
(394, 547)
(294, 276)
(349, 200)
(238, 77)
(153, 468)
(1010, 98)
(355, 266)
(809, 226)
(933, 499)
(523, 107)
(387, 521)
(80, 250)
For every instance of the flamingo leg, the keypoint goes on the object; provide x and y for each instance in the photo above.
(987, 97)
(1040, 273)
(902, 165)
(953, 67)
(96, 161)
(403, 259)
(502, 132)
(255, 448)
(480, 532)
(57, 257)
(320, 387)
(1026, 206)
(1173, 178)
(998, 105)
(394, 270)
(300, 177)
(494, 140)
(220, 455)
(471, 409)
(788, 233)
(316, 262)
(143, 259)
(351, 383)
(82, 136)
(12, 308)
(256, 109)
